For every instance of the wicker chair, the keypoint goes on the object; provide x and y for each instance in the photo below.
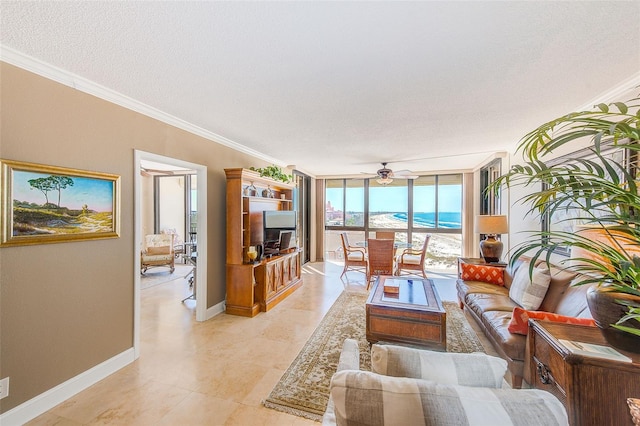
(381, 261)
(355, 258)
(385, 235)
(411, 260)
(158, 251)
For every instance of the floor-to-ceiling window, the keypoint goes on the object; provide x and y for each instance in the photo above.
(344, 211)
(411, 208)
(437, 210)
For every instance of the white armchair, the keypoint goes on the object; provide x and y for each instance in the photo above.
(157, 251)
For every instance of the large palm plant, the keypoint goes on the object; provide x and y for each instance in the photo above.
(598, 191)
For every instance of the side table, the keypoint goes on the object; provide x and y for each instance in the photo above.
(593, 390)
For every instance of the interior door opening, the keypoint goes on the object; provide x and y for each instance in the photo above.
(191, 224)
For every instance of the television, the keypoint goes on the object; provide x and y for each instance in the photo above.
(279, 231)
(279, 219)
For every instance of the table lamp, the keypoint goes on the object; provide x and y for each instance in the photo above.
(491, 225)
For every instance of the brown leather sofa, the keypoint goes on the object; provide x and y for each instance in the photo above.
(491, 307)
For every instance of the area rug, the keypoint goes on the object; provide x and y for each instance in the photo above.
(157, 276)
(303, 390)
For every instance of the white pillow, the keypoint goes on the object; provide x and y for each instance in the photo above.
(529, 292)
(476, 369)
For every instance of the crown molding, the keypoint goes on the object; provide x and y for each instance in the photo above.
(614, 93)
(59, 75)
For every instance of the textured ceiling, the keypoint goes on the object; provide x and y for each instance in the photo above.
(338, 87)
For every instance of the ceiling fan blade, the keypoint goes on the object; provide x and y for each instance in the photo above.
(406, 173)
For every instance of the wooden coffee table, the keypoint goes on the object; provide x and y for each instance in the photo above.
(415, 315)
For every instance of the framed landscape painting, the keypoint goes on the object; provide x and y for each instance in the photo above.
(48, 204)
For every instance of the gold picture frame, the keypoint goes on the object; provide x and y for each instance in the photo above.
(48, 204)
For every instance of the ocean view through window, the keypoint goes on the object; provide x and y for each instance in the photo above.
(434, 204)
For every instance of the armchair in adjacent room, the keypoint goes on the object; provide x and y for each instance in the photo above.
(158, 250)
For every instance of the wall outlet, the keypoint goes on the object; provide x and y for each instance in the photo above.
(4, 387)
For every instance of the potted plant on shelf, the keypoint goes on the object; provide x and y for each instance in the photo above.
(274, 172)
(599, 192)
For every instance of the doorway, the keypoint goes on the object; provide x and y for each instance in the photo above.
(200, 229)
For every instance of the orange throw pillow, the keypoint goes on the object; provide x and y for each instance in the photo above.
(484, 273)
(519, 323)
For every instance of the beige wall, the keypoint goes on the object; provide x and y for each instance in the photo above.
(67, 307)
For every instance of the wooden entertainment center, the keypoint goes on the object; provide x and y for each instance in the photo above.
(258, 286)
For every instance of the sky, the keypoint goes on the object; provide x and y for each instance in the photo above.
(393, 198)
(96, 193)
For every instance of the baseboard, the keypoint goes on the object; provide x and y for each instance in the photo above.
(45, 401)
(215, 310)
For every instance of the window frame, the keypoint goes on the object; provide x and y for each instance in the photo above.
(410, 229)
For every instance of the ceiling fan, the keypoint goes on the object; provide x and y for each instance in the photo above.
(385, 175)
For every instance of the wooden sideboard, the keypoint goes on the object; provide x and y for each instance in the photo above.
(255, 287)
(276, 278)
(593, 390)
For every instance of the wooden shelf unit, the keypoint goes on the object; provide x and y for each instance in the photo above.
(252, 288)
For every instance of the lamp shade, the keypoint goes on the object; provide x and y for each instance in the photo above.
(492, 224)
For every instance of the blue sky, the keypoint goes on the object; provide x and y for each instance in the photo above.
(96, 193)
(389, 198)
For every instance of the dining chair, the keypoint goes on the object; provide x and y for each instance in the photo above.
(385, 235)
(355, 258)
(381, 261)
(412, 259)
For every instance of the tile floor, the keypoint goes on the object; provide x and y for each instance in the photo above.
(215, 372)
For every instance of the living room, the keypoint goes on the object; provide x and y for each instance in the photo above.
(68, 311)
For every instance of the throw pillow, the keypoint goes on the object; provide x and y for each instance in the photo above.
(519, 323)
(476, 369)
(527, 291)
(484, 273)
(159, 250)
